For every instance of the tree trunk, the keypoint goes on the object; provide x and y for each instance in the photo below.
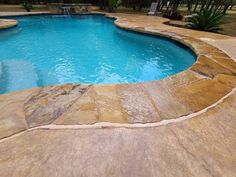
(227, 6)
(231, 7)
(203, 5)
(196, 5)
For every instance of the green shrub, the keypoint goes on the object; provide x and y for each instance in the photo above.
(113, 4)
(27, 5)
(206, 21)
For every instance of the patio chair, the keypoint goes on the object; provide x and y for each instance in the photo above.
(153, 9)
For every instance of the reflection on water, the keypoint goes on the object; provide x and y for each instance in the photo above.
(84, 49)
(5, 34)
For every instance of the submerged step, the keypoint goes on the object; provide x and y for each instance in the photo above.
(1, 70)
(17, 75)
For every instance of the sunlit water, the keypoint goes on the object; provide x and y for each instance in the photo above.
(45, 50)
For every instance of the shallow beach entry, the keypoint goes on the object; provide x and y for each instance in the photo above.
(89, 49)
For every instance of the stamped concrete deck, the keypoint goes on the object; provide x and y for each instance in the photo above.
(184, 125)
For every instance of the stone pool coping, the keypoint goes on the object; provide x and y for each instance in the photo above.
(194, 90)
(5, 23)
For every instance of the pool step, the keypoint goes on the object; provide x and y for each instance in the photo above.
(17, 75)
(1, 70)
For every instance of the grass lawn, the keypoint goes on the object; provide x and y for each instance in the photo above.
(18, 8)
(230, 24)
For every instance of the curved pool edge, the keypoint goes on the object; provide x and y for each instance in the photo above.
(195, 89)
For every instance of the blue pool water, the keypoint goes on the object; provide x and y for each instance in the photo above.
(45, 50)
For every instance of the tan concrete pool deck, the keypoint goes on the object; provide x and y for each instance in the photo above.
(184, 125)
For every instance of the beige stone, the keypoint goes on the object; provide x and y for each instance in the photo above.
(198, 139)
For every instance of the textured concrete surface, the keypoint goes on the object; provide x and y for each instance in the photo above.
(183, 125)
(201, 146)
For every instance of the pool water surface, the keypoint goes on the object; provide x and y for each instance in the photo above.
(45, 50)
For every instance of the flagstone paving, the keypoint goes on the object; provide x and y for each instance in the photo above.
(4, 24)
(184, 125)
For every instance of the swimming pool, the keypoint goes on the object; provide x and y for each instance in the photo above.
(45, 50)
